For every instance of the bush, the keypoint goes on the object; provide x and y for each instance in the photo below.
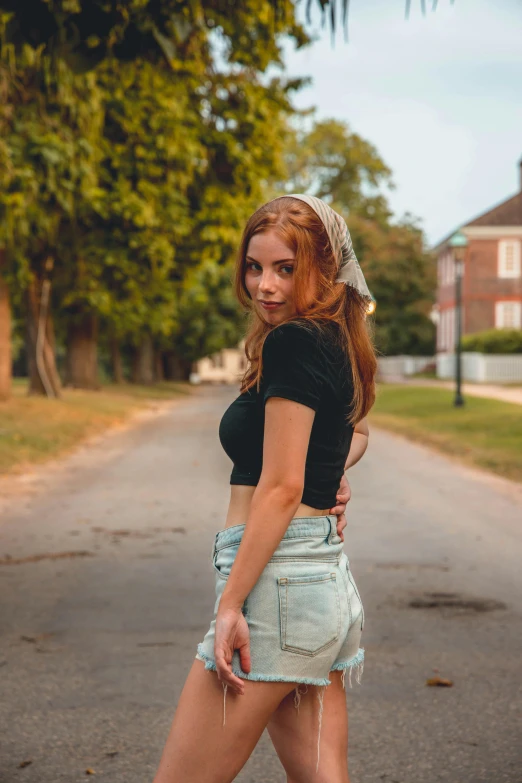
(494, 341)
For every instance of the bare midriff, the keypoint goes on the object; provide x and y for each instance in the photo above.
(239, 507)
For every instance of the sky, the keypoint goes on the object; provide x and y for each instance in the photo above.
(439, 96)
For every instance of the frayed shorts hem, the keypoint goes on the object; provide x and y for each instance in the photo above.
(357, 660)
(354, 663)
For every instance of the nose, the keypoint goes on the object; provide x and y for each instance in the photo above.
(268, 281)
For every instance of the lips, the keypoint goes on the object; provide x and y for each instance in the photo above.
(270, 305)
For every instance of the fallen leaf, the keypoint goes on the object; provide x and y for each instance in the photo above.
(440, 682)
(90, 771)
(23, 764)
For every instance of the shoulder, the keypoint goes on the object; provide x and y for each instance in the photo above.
(294, 343)
(293, 335)
(306, 335)
(293, 363)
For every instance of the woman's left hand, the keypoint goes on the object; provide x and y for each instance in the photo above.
(343, 496)
(231, 633)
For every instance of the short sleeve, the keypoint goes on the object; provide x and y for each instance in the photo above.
(293, 365)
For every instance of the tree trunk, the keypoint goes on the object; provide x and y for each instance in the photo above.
(176, 367)
(5, 341)
(117, 364)
(41, 365)
(143, 362)
(159, 368)
(82, 352)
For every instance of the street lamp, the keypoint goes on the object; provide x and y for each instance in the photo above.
(458, 243)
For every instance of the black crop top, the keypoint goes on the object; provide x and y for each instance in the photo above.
(307, 365)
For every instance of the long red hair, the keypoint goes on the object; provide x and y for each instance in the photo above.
(301, 229)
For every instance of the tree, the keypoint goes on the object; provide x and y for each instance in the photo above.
(5, 336)
(83, 32)
(82, 195)
(185, 162)
(244, 133)
(5, 304)
(209, 318)
(401, 276)
(120, 265)
(339, 166)
(50, 123)
(105, 199)
(336, 164)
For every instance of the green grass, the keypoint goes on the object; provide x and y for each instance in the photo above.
(430, 374)
(485, 432)
(33, 429)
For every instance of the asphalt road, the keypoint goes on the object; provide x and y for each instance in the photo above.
(95, 645)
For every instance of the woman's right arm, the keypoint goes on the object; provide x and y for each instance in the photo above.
(358, 446)
(359, 443)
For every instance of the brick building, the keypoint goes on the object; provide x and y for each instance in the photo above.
(492, 281)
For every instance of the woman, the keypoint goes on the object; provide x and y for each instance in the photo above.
(288, 617)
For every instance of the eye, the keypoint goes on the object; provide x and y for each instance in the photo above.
(289, 267)
(251, 264)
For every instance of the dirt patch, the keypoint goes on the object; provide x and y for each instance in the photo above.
(412, 566)
(118, 534)
(44, 556)
(455, 601)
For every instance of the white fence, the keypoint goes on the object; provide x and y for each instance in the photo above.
(390, 367)
(482, 367)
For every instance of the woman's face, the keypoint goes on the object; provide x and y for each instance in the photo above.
(269, 277)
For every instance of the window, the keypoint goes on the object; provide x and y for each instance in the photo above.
(446, 330)
(509, 258)
(508, 315)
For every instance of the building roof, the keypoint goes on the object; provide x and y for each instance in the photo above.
(508, 213)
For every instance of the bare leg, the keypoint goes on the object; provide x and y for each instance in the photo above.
(199, 747)
(294, 734)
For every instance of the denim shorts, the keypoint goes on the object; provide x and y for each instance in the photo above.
(304, 614)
